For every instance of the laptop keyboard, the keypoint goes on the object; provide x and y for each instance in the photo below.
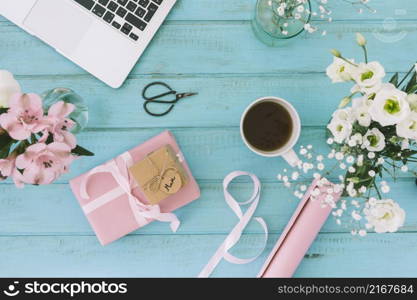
(128, 16)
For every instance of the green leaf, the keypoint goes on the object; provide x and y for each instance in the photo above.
(50, 139)
(4, 152)
(394, 79)
(21, 147)
(411, 83)
(412, 89)
(80, 151)
(3, 110)
(5, 139)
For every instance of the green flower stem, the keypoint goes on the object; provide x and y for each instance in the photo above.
(388, 171)
(365, 180)
(408, 74)
(392, 164)
(348, 61)
(395, 167)
(377, 190)
(365, 52)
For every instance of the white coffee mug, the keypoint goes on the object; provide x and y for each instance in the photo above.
(285, 151)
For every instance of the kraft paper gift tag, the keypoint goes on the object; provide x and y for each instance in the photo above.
(159, 174)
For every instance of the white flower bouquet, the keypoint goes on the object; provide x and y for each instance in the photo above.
(372, 134)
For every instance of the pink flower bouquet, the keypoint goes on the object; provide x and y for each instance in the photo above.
(36, 147)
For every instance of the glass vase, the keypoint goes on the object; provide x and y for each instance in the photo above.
(80, 113)
(272, 24)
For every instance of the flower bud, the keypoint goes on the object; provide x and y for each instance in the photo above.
(345, 101)
(360, 39)
(353, 179)
(8, 87)
(336, 53)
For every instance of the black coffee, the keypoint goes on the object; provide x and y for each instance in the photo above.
(267, 126)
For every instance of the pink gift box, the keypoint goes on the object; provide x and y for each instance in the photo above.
(115, 205)
(299, 234)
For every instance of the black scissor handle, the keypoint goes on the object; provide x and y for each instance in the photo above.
(145, 107)
(154, 98)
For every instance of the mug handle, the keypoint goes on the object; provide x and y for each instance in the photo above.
(291, 158)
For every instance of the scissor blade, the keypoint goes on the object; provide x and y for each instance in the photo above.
(185, 95)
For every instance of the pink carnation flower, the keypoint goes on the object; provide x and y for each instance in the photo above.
(60, 125)
(24, 117)
(43, 164)
(8, 168)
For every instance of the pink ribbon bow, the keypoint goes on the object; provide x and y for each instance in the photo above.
(118, 168)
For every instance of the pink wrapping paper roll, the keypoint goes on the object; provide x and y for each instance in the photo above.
(298, 235)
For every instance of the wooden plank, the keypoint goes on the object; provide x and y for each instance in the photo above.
(53, 210)
(220, 10)
(228, 47)
(332, 255)
(221, 99)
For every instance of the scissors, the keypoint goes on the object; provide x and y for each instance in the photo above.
(154, 99)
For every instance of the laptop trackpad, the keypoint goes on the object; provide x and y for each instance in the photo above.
(59, 23)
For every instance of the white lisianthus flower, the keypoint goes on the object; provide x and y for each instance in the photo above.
(8, 87)
(339, 70)
(361, 101)
(340, 129)
(356, 139)
(389, 107)
(363, 116)
(412, 101)
(408, 128)
(361, 110)
(344, 114)
(367, 91)
(384, 215)
(368, 76)
(370, 92)
(374, 140)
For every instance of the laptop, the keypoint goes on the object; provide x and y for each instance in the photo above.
(104, 37)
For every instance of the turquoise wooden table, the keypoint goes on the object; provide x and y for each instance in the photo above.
(205, 46)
